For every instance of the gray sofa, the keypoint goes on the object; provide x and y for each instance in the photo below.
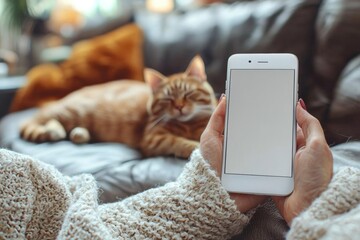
(323, 34)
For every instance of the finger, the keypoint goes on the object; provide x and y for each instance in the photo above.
(245, 202)
(300, 139)
(217, 119)
(280, 203)
(310, 126)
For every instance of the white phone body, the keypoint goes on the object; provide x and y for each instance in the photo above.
(260, 124)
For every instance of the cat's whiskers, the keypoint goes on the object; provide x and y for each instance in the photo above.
(157, 121)
(204, 109)
(199, 110)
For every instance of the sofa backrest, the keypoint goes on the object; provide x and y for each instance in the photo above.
(334, 84)
(220, 30)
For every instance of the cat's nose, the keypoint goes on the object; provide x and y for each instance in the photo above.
(179, 105)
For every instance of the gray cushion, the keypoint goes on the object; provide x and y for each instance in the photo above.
(119, 170)
(346, 154)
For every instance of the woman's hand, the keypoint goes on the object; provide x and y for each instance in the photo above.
(313, 166)
(211, 147)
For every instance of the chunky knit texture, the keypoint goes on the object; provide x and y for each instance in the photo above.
(37, 202)
(33, 198)
(335, 214)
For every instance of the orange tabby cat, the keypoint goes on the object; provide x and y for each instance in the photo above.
(164, 116)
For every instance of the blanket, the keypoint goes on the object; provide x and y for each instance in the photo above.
(38, 202)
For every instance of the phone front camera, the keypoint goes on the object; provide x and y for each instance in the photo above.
(249, 61)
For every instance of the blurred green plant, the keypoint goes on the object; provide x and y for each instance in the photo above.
(15, 14)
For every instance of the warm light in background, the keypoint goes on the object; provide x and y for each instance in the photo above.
(69, 15)
(162, 6)
(93, 7)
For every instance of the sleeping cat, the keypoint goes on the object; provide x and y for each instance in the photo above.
(164, 116)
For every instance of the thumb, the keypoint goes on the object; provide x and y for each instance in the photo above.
(217, 119)
(310, 126)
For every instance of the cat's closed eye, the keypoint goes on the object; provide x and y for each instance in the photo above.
(188, 94)
(166, 100)
(196, 96)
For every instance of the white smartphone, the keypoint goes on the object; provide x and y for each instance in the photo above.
(260, 124)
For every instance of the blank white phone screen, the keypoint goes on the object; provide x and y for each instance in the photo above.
(260, 123)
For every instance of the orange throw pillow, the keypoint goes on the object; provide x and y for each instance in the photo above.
(112, 56)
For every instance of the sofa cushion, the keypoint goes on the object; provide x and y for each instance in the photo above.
(343, 122)
(337, 43)
(119, 170)
(337, 39)
(112, 56)
(217, 31)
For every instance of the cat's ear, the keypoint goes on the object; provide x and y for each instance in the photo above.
(196, 68)
(153, 78)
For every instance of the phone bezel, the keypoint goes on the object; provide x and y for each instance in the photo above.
(255, 184)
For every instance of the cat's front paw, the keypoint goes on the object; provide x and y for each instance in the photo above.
(35, 132)
(79, 135)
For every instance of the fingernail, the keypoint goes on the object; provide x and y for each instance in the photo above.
(221, 97)
(302, 104)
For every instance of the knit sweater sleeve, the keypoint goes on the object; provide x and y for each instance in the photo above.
(34, 198)
(335, 214)
(194, 207)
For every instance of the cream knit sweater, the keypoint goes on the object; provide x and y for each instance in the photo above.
(37, 202)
